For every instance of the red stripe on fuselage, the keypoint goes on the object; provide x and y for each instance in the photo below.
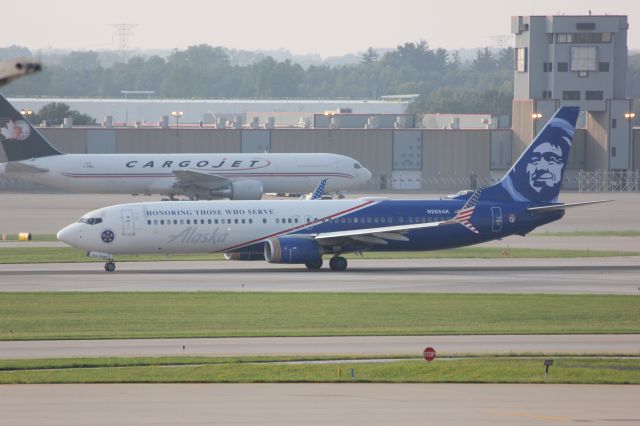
(302, 226)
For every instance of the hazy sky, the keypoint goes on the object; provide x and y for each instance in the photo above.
(327, 27)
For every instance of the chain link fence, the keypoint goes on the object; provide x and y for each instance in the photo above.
(609, 181)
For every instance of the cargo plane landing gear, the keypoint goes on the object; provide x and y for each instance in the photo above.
(110, 266)
(338, 263)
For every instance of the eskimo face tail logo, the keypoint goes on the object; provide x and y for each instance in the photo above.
(537, 175)
(16, 130)
(545, 166)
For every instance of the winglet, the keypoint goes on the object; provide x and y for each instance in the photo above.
(463, 216)
(317, 193)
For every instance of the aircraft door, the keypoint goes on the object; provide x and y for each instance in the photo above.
(496, 222)
(128, 223)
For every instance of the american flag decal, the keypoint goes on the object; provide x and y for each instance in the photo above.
(464, 214)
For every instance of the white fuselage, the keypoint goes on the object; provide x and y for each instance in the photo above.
(201, 226)
(153, 173)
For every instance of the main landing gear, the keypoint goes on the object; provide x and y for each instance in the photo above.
(314, 265)
(338, 263)
(110, 266)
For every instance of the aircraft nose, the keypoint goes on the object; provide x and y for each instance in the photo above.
(366, 174)
(68, 235)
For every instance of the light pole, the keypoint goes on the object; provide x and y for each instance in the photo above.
(329, 115)
(177, 115)
(536, 116)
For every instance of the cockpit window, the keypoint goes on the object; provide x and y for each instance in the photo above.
(357, 166)
(90, 220)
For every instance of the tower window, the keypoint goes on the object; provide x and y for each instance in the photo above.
(594, 95)
(570, 95)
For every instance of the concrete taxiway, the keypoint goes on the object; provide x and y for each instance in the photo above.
(619, 344)
(613, 275)
(302, 404)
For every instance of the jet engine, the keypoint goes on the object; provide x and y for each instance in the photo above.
(291, 250)
(244, 255)
(239, 190)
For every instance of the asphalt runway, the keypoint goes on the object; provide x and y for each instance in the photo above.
(614, 275)
(42, 213)
(312, 404)
(618, 344)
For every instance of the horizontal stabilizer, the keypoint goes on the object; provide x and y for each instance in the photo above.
(556, 207)
(14, 167)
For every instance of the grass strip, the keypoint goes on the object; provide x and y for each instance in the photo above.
(604, 234)
(471, 370)
(71, 255)
(110, 315)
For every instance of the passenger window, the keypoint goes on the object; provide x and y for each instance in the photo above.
(295, 220)
(250, 221)
(343, 220)
(148, 222)
(264, 220)
(242, 221)
(228, 221)
(181, 221)
(383, 219)
(215, 221)
(369, 220)
(201, 221)
(277, 220)
(161, 221)
(188, 221)
(376, 219)
(175, 221)
(155, 221)
(235, 221)
(208, 221)
(289, 220)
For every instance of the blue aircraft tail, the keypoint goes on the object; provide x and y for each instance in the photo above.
(537, 175)
(19, 139)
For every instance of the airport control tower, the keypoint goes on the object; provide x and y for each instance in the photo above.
(574, 60)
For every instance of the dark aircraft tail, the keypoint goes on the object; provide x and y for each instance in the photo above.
(19, 139)
(537, 175)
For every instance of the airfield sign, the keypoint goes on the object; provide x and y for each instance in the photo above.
(429, 354)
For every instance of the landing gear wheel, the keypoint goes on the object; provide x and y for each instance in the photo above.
(109, 266)
(338, 263)
(314, 264)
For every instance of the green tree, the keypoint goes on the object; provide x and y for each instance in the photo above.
(55, 113)
(370, 56)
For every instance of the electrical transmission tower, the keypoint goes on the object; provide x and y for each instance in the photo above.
(123, 31)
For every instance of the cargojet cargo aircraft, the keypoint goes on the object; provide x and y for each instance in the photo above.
(302, 231)
(197, 176)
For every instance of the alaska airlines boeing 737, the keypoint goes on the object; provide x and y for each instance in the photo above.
(198, 176)
(301, 232)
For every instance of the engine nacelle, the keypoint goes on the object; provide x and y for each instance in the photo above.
(248, 255)
(291, 250)
(240, 190)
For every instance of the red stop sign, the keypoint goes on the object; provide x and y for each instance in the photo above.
(429, 354)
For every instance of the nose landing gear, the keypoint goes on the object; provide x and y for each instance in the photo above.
(110, 266)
